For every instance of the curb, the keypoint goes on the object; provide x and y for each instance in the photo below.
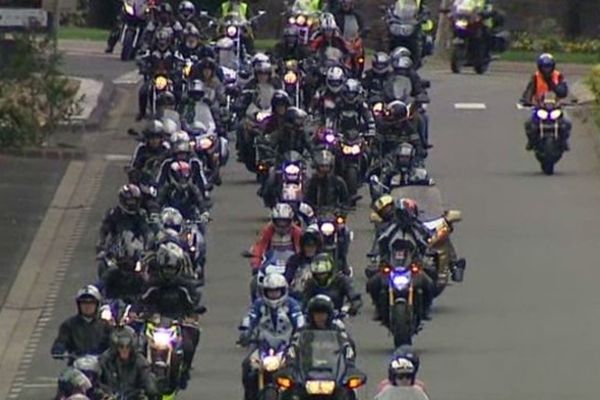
(101, 109)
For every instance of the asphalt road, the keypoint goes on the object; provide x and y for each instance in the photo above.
(524, 323)
(26, 189)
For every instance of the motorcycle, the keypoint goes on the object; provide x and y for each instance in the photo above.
(305, 22)
(270, 358)
(293, 178)
(273, 262)
(548, 118)
(468, 46)
(252, 129)
(401, 301)
(320, 370)
(293, 80)
(336, 235)
(404, 28)
(351, 160)
(213, 151)
(193, 232)
(133, 18)
(161, 83)
(354, 42)
(235, 28)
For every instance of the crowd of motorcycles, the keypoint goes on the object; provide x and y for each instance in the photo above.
(313, 128)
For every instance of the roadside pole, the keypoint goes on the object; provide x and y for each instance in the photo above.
(443, 34)
(55, 23)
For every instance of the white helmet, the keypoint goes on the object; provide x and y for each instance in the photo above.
(179, 136)
(334, 79)
(259, 58)
(400, 51)
(274, 290)
(328, 21)
(171, 218)
(282, 216)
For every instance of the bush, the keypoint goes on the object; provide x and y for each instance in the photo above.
(553, 43)
(34, 95)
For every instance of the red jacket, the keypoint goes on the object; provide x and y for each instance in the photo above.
(263, 244)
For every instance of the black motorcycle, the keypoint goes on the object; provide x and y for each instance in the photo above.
(134, 21)
(404, 28)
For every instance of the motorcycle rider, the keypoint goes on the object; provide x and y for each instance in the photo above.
(327, 280)
(127, 216)
(181, 151)
(73, 384)
(402, 352)
(163, 59)
(352, 101)
(122, 277)
(546, 80)
(153, 149)
(207, 70)
(123, 370)
(84, 333)
(407, 224)
(310, 245)
(335, 77)
(328, 36)
(115, 32)
(164, 20)
(179, 192)
(243, 11)
(275, 314)
(262, 85)
(396, 125)
(290, 48)
(375, 77)
(191, 47)
(186, 14)
(401, 376)
(403, 66)
(281, 233)
(350, 20)
(324, 188)
(90, 367)
(320, 315)
(172, 293)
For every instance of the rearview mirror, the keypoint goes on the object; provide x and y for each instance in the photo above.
(203, 14)
(261, 12)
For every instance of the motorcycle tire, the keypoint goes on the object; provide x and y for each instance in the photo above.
(401, 325)
(482, 68)
(457, 60)
(547, 167)
(352, 180)
(127, 49)
(269, 393)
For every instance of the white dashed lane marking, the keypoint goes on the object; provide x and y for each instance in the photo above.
(470, 106)
(129, 78)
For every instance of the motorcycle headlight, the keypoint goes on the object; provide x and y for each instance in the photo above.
(461, 24)
(290, 78)
(232, 31)
(301, 20)
(330, 138)
(351, 150)
(292, 20)
(129, 8)
(400, 281)
(377, 108)
(542, 114)
(161, 82)
(187, 69)
(262, 115)
(271, 363)
(205, 143)
(555, 114)
(327, 229)
(292, 169)
(320, 387)
(106, 314)
(161, 339)
(309, 21)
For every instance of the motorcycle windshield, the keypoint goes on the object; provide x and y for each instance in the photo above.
(320, 351)
(405, 10)
(279, 256)
(139, 7)
(171, 115)
(401, 393)
(401, 88)
(269, 340)
(351, 29)
(429, 199)
(265, 93)
(227, 59)
(333, 55)
(463, 7)
(203, 114)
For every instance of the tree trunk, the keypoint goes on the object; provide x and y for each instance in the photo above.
(444, 31)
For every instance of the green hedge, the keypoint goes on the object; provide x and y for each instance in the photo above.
(525, 42)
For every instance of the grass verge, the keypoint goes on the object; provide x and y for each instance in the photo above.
(78, 33)
(569, 58)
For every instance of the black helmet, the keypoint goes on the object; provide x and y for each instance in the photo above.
(196, 90)
(320, 303)
(130, 198)
(154, 128)
(324, 158)
(290, 34)
(186, 10)
(171, 259)
(295, 117)
(408, 352)
(401, 367)
(165, 99)
(546, 63)
(163, 38)
(208, 63)
(352, 90)
(280, 97)
(311, 237)
(397, 110)
(381, 63)
(123, 337)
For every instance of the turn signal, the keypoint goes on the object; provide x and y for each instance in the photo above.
(284, 383)
(340, 220)
(354, 383)
(415, 268)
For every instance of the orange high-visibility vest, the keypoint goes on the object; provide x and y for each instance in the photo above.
(541, 87)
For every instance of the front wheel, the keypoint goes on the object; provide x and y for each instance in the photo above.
(269, 393)
(352, 180)
(400, 324)
(127, 49)
(457, 59)
(547, 167)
